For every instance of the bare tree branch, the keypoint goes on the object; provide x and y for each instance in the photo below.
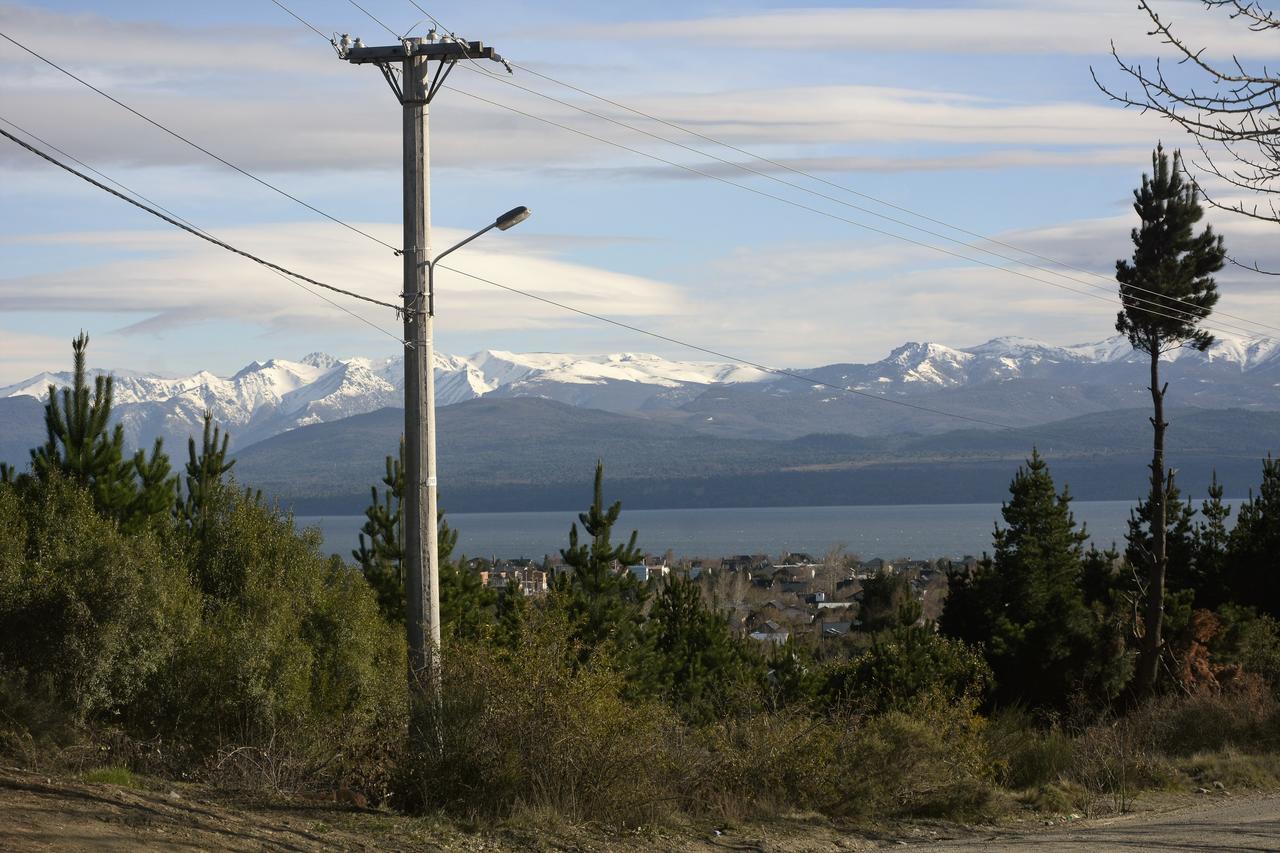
(1237, 112)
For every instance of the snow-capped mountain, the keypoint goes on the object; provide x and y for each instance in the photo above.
(1003, 379)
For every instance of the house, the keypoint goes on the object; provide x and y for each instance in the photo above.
(770, 632)
(835, 630)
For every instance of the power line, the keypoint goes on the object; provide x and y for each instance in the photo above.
(395, 35)
(300, 20)
(789, 168)
(189, 228)
(727, 356)
(1164, 301)
(202, 231)
(1161, 303)
(200, 148)
(1250, 333)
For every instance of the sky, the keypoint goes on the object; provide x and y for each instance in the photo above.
(980, 115)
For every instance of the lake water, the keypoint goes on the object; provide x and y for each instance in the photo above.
(925, 531)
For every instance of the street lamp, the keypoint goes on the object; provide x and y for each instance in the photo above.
(506, 221)
(425, 511)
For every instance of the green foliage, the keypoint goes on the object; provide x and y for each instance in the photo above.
(1180, 540)
(381, 558)
(205, 472)
(1254, 546)
(1026, 606)
(904, 665)
(112, 775)
(291, 654)
(887, 602)
(1025, 752)
(1250, 640)
(1168, 287)
(930, 760)
(1210, 577)
(693, 663)
(136, 491)
(603, 598)
(464, 602)
(91, 614)
(532, 730)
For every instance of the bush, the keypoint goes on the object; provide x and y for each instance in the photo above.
(90, 615)
(292, 674)
(928, 758)
(1025, 754)
(529, 729)
(905, 665)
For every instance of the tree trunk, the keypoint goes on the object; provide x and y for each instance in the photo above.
(1153, 611)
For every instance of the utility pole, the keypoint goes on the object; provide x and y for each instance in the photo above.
(408, 69)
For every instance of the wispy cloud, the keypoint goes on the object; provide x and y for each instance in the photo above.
(1014, 28)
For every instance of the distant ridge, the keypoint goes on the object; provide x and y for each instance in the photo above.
(1014, 380)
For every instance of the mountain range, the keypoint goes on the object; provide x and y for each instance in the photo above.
(1010, 381)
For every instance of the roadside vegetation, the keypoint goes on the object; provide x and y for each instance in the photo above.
(182, 628)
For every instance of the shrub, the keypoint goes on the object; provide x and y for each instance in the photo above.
(89, 614)
(530, 729)
(905, 665)
(927, 758)
(1026, 754)
(292, 670)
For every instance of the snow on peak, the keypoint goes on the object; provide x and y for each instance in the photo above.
(321, 360)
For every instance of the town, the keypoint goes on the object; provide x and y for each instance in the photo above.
(794, 598)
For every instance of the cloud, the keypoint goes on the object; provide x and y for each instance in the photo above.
(1013, 28)
(172, 280)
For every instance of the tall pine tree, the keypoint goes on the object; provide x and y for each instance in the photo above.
(1026, 605)
(1166, 291)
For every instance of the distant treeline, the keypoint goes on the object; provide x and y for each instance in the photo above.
(1104, 478)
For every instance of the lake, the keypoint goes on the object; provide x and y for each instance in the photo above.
(924, 531)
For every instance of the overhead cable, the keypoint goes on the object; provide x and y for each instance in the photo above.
(1249, 333)
(1193, 315)
(792, 169)
(188, 228)
(790, 374)
(1168, 303)
(194, 145)
(202, 231)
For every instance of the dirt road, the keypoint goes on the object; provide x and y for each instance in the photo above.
(57, 814)
(1239, 823)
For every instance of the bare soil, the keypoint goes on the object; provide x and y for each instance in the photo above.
(44, 813)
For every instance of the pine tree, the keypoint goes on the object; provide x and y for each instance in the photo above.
(1253, 553)
(512, 615)
(205, 470)
(1166, 291)
(1210, 549)
(381, 556)
(81, 444)
(1026, 605)
(887, 602)
(1179, 539)
(603, 595)
(693, 661)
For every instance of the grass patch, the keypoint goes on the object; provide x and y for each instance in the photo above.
(1236, 771)
(114, 775)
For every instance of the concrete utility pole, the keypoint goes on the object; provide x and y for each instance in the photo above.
(415, 86)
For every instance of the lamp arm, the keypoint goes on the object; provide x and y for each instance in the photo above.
(431, 266)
